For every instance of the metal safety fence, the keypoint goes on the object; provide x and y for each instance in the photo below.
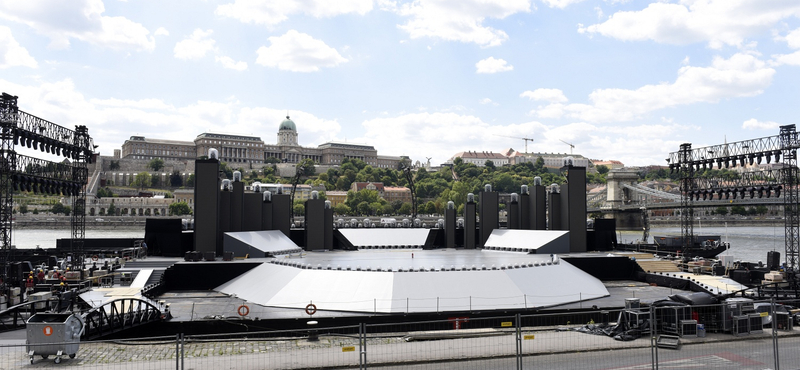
(744, 335)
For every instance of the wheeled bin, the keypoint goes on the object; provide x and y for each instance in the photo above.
(56, 334)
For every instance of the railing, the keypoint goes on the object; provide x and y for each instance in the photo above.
(118, 315)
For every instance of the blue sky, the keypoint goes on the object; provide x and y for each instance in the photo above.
(623, 80)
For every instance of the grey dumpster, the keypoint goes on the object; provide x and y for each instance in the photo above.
(55, 334)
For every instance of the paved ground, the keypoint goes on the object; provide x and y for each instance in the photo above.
(393, 349)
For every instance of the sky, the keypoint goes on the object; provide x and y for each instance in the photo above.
(619, 80)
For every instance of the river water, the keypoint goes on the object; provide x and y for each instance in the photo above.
(747, 243)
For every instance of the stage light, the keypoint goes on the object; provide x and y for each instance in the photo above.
(760, 191)
(769, 157)
(719, 163)
(727, 194)
(759, 157)
(741, 160)
(777, 154)
(727, 162)
(751, 159)
(752, 192)
(778, 191)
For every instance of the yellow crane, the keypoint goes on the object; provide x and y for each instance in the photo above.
(517, 137)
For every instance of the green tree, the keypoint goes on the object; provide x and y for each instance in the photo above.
(35, 211)
(23, 209)
(430, 208)
(113, 166)
(59, 208)
(190, 181)
(112, 210)
(405, 209)
(179, 209)
(341, 209)
(363, 208)
(738, 210)
(272, 160)
(721, 210)
(602, 169)
(141, 180)
(175, 179)
(762, 209)
(299, 208)
(104, 193)
(155, 181)
(156, 164)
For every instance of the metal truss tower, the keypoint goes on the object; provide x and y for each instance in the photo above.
(789, 143)
(687, 187)
(80, 175)
(8, 159)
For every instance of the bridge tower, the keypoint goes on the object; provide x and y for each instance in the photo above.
(616, 179)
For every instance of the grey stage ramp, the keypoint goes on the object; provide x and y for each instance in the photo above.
(400, 281)
(259, 244)
(529, 241)
(388, 238)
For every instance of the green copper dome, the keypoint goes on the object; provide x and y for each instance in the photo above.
(287, 124)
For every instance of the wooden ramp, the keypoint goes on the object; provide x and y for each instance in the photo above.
(657, 266)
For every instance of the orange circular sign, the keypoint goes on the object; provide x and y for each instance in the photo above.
(48, 330)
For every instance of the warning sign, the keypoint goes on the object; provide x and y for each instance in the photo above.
(506, 324)
(529, 337)
(349, 349)
(48, 330)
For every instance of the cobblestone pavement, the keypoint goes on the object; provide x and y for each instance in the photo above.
(343, 351)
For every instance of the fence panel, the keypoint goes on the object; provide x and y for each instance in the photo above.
(458, 340)
(150, 353)
(788, 333)
(279, 349)
(580, 341)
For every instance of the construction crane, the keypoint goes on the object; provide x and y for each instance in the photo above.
(517, 137)
(571, 146)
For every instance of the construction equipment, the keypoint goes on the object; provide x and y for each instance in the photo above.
(571, 146)
(517, 137)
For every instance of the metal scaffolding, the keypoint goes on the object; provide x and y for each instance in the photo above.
(24, 173)
(763, 182)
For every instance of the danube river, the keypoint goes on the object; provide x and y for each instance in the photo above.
(747, 243)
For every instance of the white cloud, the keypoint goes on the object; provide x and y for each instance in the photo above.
(793, 39)
(274, 12)
(445, 134)
(111, 121)
(487, 101)
(560, 3)
(550, 95)
(298, 52)
(78, 19)
(739, 76)
(161, 31)
(754, 124)
(195, 46)
(459, 20)
(792, 59)
(718, 22)
(229, 63)
(11, 53)
(491, 65)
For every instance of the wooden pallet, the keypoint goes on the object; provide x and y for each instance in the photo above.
(658, 266)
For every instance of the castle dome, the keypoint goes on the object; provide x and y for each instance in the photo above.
(287, 124)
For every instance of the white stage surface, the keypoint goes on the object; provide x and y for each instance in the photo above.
(259, 244)
(398, 281)
(529, 241)
(383, 238)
